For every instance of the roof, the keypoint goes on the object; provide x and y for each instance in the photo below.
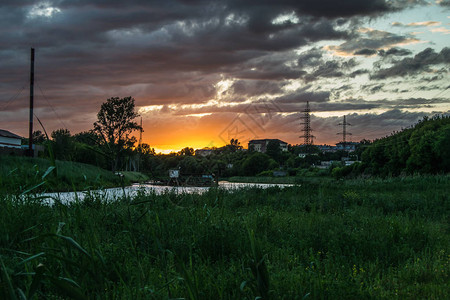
(266, 140)
(6, 133)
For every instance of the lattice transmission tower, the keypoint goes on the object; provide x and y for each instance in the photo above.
(308, 138)
(344, 131)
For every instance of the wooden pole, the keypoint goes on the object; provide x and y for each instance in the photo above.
(30, 135)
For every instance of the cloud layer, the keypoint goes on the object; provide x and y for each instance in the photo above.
(206, 62)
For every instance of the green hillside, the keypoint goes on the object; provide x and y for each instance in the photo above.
(19, 174)
(421, 149)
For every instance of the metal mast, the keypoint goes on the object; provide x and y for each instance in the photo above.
(344, 132)
(30, 133)
(306, 118)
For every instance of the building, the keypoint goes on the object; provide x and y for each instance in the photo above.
(204, 152)
(261, 145)
(10, 140)
(347, 146)
(326, 148)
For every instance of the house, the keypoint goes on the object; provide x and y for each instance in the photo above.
(341, 146)
(10, 140)
(204, 152)
(261, 145)
(326, 148)
(347, 146)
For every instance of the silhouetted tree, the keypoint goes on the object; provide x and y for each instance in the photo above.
(87, 137)
(63, 145)
(273, 150)
(145, 149)
(187, 151)
(234, 145)
(114, 125)
(38, 137)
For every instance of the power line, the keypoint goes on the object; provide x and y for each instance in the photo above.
(13, 98)
(51, 106)
(441, 91)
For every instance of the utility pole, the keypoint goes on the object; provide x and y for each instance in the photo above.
(139, 148)
(344, 132)
(30, 133)
(306, 118)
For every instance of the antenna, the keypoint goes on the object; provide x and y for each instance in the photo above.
(344, 132)
(30, 132)
(307, 136)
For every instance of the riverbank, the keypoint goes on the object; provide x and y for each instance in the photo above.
(280, 180)
(356, 239)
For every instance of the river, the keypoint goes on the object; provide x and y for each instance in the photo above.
(116, 193)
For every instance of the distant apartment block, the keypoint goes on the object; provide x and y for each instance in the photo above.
(261, 145)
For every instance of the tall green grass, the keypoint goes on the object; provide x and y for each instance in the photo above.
(361, 239)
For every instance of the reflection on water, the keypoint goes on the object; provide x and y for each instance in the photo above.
(116, 193)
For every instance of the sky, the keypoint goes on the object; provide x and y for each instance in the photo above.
(204, 72)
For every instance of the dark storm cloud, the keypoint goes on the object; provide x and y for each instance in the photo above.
(433, 78)
(445, 3)
(256, 87)
(334, 68)
(390, 52)
(421, 62)
(371, 40)
(268, 67)
(394, 52)
(365, 52)
(310, 58)
(320, 67)
(358, 72)
(366, 125)
(174, 52)
(302, 95)
(334, 9)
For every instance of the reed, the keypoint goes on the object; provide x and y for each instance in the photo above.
(359, 239)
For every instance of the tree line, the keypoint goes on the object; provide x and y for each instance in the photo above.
(421, 149)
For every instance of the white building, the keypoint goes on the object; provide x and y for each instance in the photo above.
(10, 140)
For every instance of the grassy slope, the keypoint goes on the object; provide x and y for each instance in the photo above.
(18, 174)
(135, 176)
(334, 240)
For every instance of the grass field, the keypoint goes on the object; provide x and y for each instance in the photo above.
(360, 239)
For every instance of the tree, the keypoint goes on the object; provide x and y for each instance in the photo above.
(63, 146)
(38, 137)
(273, 149)
(187, 151)
(256, 163)
(115, 124)
(90, 138)
(146, 150)
(234, 145)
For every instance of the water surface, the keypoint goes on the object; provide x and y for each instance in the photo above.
(116, 193)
